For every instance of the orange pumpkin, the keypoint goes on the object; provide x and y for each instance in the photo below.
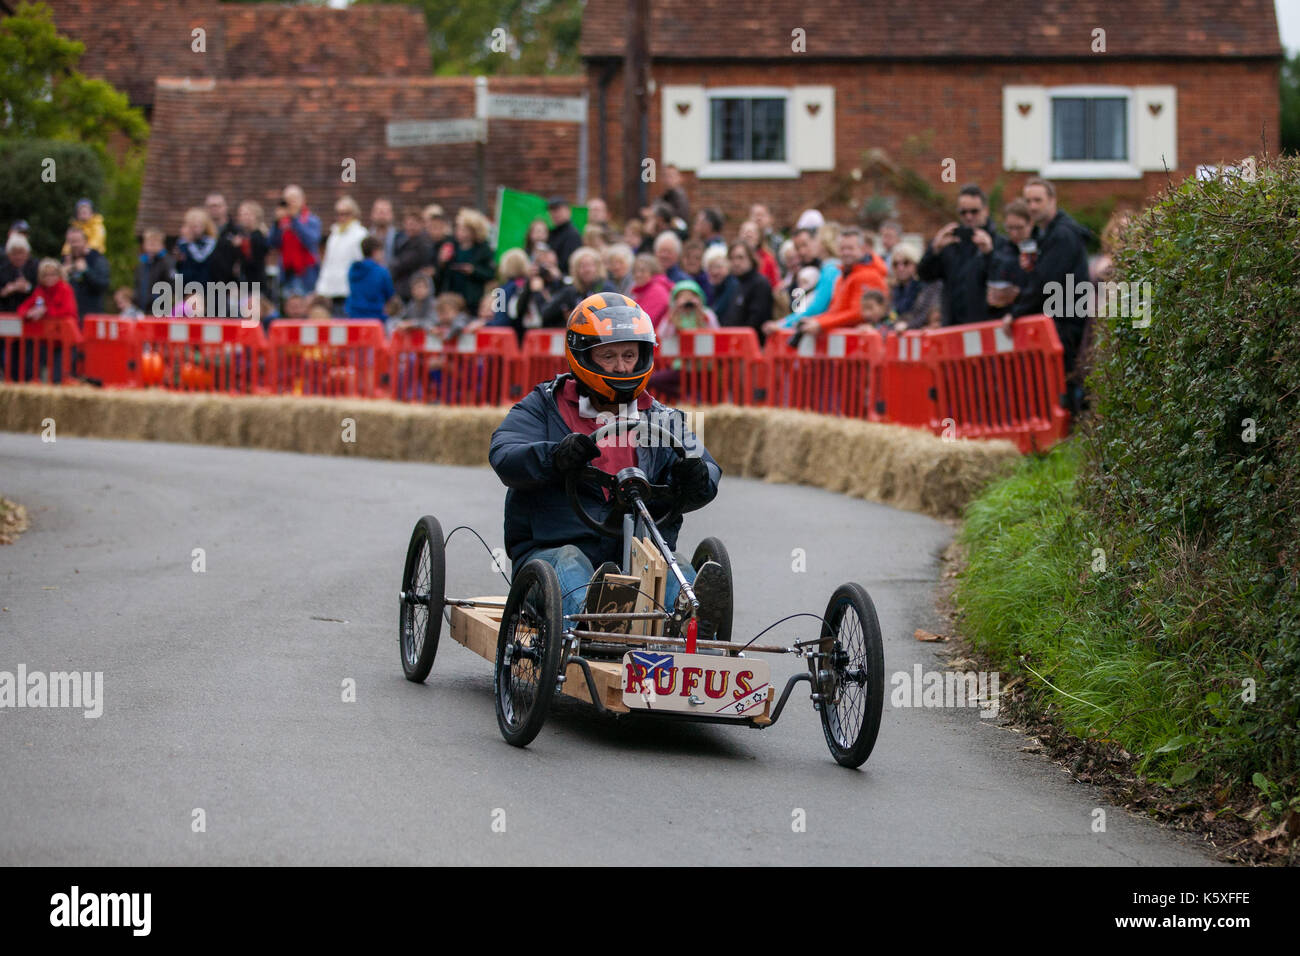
(151, 368)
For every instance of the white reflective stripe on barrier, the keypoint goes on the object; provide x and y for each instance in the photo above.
(704, 345)
(432, 343)
(971, 344)
(338, 335)
(11, 327)
(112, 330)
(308, 335)
(210, 334)
(916, 349)
(902, 348)
(178, 332)
(557, 344)
(467, 342)
(1002, 341)
(808, 345)
(670, 345)
(836, 346)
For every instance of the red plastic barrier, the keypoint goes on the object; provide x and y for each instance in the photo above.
(38, 350)
(542, 360)
(835, 373)
(349, 357)
(478, 368)
(112, 351)
(201, 355)
(991, 385)
(714, 366)
(907, 394)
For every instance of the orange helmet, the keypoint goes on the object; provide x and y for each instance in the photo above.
(607, 318)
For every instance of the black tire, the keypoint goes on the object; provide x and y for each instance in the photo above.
(423, 591)
(711, 549)
(856, 684)
(531, 633)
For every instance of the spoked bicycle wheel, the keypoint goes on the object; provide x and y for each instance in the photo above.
(528, 653)
(851, 675)
(423, 591)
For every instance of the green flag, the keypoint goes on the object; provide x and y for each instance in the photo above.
(516, 210)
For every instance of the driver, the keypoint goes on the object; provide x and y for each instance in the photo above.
(609, 343)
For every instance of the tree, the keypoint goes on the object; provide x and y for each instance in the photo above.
(1290, 133)
(527, 37)
(51, 112)
(45, 96)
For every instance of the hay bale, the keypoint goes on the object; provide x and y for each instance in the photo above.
(903, 467)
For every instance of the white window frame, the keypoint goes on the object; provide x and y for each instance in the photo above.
(743, 169)
(1092, 168)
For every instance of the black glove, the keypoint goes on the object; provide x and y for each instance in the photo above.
(573, 451)
(691, 478)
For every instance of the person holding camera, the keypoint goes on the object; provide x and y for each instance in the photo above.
(296, 233)
(960, 254)
(86, 270)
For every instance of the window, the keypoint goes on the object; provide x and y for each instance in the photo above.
(747, 129)
(1089, 129)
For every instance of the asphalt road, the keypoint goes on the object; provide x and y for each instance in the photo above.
(223, 690)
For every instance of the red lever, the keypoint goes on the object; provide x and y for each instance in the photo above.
(690, 635)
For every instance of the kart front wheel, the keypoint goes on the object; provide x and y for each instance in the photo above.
(423, 590)
(528, 653)
(850, 675)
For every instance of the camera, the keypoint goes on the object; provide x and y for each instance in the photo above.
(964, 233)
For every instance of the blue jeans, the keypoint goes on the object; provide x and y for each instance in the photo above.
(574, 571)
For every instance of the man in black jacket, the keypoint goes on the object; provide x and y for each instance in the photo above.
(546, 437)
(959, 254)
(87, 272)
(1061, 267)
(563, 237)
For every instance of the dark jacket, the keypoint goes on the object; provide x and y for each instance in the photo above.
(752, 303)
(1062, 258)
(148, 273)
(469, 284)
(194, 259)
(565, 240)
(413, 253)
(720, 296)
(369, 289)
(225, 258)
(964, 271)
(537, 510)
(8, 273)
(89, 286)
(555, 313)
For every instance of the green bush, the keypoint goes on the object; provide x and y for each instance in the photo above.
(1191, 472)
(78, 171)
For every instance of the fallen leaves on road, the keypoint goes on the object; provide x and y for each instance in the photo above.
(13, 521)
(927, 636)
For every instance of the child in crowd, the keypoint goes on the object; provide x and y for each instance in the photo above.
(295, 307)
(452, 317)
(52, 298)
(875, 312)
(419, 311)
(92, 224)
(319, 308)
(125, 303)
(369, 284)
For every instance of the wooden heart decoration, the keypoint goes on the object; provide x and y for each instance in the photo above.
(1155, 108)
(1024, 108)
(813, 108)
(683, 108)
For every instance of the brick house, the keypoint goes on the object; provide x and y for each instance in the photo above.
(848, 106)
(248, 138)
(130, 43)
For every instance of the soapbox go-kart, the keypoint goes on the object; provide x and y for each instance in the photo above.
(632, 656)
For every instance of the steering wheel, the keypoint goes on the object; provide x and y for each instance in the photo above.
(628, 484)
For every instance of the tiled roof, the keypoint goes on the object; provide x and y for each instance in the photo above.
(249, 138)
(132, 42)
(939, 29)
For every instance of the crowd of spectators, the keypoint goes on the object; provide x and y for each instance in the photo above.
(687, 268)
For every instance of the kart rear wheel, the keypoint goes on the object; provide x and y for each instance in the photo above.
(423, 591)
(711, 549)
(851, 675)
(528, 653)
